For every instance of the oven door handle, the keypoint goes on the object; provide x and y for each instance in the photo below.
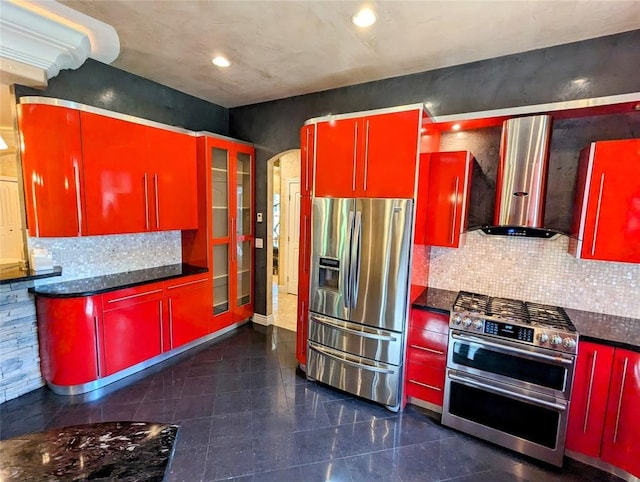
(501, 391)
(512, 349)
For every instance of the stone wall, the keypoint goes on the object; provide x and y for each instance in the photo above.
(19, 356)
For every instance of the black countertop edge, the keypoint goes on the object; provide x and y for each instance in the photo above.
(435, 299)
(16, 275)
(117, 281)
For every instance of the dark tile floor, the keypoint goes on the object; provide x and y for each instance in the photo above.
(245, 414)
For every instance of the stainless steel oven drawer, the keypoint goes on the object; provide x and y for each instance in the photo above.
(360, 376)
(360, 340)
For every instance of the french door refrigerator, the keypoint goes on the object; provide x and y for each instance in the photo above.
(360, 260)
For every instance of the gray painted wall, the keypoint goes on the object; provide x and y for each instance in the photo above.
(608, 66)
(107, 87)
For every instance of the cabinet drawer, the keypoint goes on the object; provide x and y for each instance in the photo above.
(425, 383)
(429, 340)
(131, 296)
(186, 283)
(429, 320)
(426, 356)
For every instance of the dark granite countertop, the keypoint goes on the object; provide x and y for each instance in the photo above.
(607, 329)
(17, 275)
(597, 327)
(127, 451)
(112, 282)
(435, 299)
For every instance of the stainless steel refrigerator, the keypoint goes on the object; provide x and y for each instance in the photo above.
(359, 286)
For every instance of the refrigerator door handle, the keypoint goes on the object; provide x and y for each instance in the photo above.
(355, 258)
(347, 283)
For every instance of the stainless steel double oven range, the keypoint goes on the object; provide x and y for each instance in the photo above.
(509, 373)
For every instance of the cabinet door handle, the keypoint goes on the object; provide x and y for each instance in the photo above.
(232, 242)
(355, 151)
(366, 156)
(76, 179)
(137, 295)
(624, 378)
(96, 328)
(425, 385)
(146, 201)
(307, 187)
(304, 245)
(595, 228)
(170, 323)
(593, 371)
(161, 329)
(155, 186)
(455, 211)
(437, 352)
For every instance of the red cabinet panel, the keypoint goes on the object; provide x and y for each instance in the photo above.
(52, 170)
(337, 158)
(131, 334)
(425, 383)
(189, 302)
(307, 153)
(429, 320)
(620, 442)
(390, 155)
(68, 336)
(606, 218)
(131, 296)
(447, 198)
(427, 348)
(174, 178)
(589, 398)
(303, 279)
(117, 185)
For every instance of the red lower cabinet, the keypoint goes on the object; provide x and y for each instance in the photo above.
(621, 438)
(604, 421)
(69, 343)
(426, 356)
(188, 310)
(131, 334)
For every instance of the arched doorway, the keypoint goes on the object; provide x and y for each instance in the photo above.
(283, 187)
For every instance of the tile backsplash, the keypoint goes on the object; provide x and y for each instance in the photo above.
(536, 270)
(89, 256)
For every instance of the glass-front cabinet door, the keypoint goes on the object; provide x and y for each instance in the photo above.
(243, 194)
(244, 241)
(221, 283)
(220, 193)
(244, 273)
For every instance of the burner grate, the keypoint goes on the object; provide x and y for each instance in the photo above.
(509, 309)
(473, 302)
(553, 316)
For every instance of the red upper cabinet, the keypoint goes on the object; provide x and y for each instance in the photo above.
(447, 198)
(373, 156)
(620, 442)
(52, 170)
(307, 154)
(589, 398)
(173, 174)
(337, 154)
(390, 155)
(606, 220)
(118, 196)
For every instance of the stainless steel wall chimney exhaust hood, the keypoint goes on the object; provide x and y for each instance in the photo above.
(522, 178)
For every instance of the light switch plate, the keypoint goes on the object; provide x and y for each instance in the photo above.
(259, 218)
(259, 243)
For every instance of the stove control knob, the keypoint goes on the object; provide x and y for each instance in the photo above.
(556, 339)
(569, 343)
(543, 337)
(457, 319)
(477, 324)
(466, 322)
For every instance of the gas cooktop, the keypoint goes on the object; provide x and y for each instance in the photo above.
(522, 321)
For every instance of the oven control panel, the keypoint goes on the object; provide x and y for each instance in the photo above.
(532, 335)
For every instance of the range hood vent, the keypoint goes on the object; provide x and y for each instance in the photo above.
(522, 178)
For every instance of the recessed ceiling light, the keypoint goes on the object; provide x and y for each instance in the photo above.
(221, 61)
(456, 127)
(364, 18)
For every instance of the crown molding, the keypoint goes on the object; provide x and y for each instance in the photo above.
(48, 36)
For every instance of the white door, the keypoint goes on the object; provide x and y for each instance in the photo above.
(293, 236)
(10, 220)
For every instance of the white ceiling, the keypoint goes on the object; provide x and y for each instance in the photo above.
(284, 48)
